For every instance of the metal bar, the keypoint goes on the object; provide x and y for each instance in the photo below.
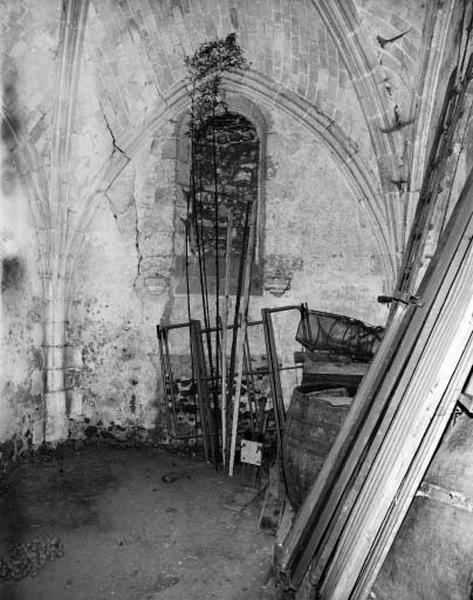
(250, 383)
(203, 329)
(202, 388)
(277, 309)
(173, 326)
(261, 372)
(274, 368)
(164, 376)
(168, 388)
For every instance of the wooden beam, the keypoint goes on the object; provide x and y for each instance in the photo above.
(203, 392)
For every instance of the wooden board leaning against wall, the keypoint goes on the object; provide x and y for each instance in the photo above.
(425, 342)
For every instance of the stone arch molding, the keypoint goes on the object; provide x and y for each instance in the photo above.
(252, 89)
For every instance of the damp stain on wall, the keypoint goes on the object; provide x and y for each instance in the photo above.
(9, 127)
(12, 274)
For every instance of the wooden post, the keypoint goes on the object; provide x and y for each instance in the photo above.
(242, 335)
(274, 377)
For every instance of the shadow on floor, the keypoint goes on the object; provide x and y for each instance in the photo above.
(131, 532)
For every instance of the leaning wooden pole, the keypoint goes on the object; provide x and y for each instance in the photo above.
(236, 322)
(223, 350)
(239, 354)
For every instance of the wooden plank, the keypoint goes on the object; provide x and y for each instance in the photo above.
(378, 488)
(274, 501)
(239, 354)
(332, 368)
(325, 500)
(367, 443)
(321, 356)
(203, 392)
(413, 479)
(414, 252)
(419, 402)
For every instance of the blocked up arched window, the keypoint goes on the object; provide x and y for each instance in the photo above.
(226, 177)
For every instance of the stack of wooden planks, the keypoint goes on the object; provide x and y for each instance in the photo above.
(344, 530)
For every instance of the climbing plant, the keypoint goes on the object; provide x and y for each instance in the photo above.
(205, 68)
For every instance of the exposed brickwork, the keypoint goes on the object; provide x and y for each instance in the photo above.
(235, 176)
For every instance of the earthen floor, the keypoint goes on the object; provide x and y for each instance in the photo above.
(129, 535)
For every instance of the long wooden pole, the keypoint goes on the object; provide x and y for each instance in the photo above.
(226, 303)
(236, 318)
(242, 335)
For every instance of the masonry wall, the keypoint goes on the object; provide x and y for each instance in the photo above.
(21, 309)
(93, 94)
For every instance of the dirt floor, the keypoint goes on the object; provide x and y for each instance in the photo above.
(128, 535)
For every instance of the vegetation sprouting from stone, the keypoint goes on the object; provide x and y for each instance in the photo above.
(205, 68)
(215, 57)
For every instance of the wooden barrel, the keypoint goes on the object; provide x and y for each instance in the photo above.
(313, 420)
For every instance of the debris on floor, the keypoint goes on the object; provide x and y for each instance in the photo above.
(28, 558)
(128, 535)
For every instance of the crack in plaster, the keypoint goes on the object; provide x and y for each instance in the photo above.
(115, 212)
(114, 142)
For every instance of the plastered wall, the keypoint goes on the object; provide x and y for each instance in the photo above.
(93, 93)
